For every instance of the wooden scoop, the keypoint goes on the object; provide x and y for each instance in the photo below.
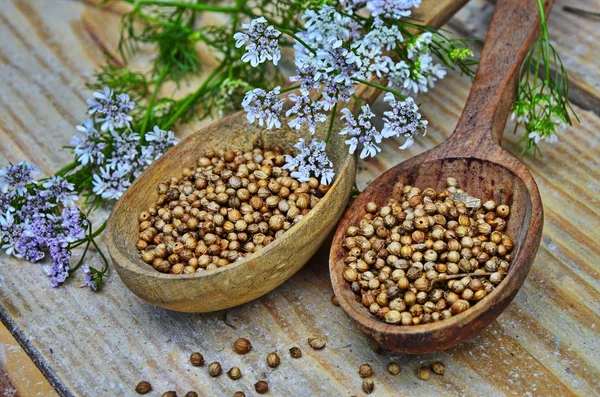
(474, 157)
(263, 271)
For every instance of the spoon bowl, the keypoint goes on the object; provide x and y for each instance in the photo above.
(266, 269)
(473, 156)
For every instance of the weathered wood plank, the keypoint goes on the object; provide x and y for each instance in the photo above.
(546, 343)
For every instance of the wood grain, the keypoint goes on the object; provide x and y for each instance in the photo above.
(545, 343)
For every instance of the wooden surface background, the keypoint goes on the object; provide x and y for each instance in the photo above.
(546, 343)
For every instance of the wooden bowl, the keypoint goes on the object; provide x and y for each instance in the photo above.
(241, 281)
(499, 184)
(483, 169)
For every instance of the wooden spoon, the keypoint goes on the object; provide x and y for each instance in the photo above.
(263, 271)
(474, 157)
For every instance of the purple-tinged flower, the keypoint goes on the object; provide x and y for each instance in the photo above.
(307, 112)
(307, 76)
(89, 148)
(326, 23)
(340, 66)
(261, 42)
(58, 190)
(125, 147)
(361, 132)
(113, 181)
(160, 141)
(394, 9)
(113, 109)
(90, 277)
(59, 270)
(263, 106)
(6, 202)
(10, 233)
(418, 76)
(310, 161)
(379, 37)
(16, 176)
(403, 119)
(353, 5)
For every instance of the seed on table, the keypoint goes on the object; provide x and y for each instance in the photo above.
(143, 387)
(214, 369)
(273, 360)
(234, 373)
(170, 394)
(196, 359)
(191, 394)
(368, 385)
(393, 368)
(242, 346)
(438, 367)
(365, 371)
(335, 301)
(261, 387)
(316, 343)
(295, 352)
(423, 372)
(239, 394)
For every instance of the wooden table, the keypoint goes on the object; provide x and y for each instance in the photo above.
(102, 344)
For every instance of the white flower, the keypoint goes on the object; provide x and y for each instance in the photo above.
(379, 36)
(113, 181)
(417, 77)
(362, 132)
(89, 148)
(61, 190)
(16, 176)
(263, 106)
(307, 112)
(113, 108)
(160, 141)
(539, 136)
(261, 42)
(311, 160)
(403, 119)
(394, 9)
(419, 45)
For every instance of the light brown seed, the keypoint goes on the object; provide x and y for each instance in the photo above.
(393, 368)
(273, 360)
(261, 387)
(316, 343)
(234, 373)
(242, 346)
(143, 387)
(423, 372)
(197, 359)
(368, 386)
(365, 371)
(438, 367)
(214, 369)
(295, 352)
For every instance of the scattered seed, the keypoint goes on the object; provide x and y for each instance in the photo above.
(365, 371)
(261, 387)
(143, 387)
(368, 385)
(316, 343)
(438, 367)
(394, 368)
(295, 352)
(197, 359)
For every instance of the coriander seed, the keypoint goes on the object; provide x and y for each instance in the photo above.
(368, 385)
(438, 367)
(143, 387)
(239, 394)
(197, 359)
(234, 373)
(242, 346)
(170, 393)
(261, 387)
(316, 343)
(295, 352)
(393, 368)
(365, 371)
(191, 394)
(214, 369)
(335, 301)
(423, 372)
(273, 360)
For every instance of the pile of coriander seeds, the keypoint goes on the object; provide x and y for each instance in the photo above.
(427, 255)
(231, 204)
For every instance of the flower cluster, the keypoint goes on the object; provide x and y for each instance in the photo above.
(108, 144)
(39, 218)
(310, 161)
(336, 50)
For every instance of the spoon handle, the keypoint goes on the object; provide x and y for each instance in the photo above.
(430, 13)
(514, 28)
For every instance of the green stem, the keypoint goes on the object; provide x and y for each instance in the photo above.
(69, 167)
(191, 6)
(192, 97)
(80, 262)
(333, 113)
(298, 39)
(381, 87)
(95, 234)
(105, 268)
(288, 89)
(357, 100)
(150, 106)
